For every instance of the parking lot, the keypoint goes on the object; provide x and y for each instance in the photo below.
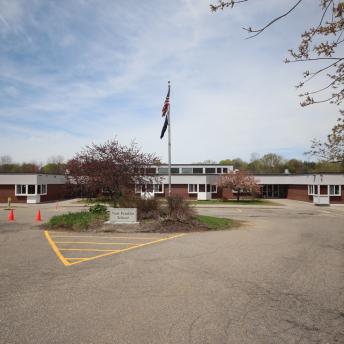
(277, 279)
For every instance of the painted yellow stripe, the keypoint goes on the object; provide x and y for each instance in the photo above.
(95, 243)
(86, 250)
(127, 249)
(55, 249)
(108, 252)
(100, 236)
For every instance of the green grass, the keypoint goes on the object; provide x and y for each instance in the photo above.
(215, 222)
(76, 221)
(241, 202)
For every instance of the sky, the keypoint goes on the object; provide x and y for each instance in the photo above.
(73, 72)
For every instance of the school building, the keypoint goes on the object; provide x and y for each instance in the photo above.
(202, 182)
(191, 181)
(32, 187)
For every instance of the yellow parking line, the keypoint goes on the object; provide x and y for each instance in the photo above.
(55, 249)
(66, 261)
(100, 236)
(86, 250)
(96, 243)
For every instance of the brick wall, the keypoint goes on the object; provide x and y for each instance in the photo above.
(9, 191)
(55, 192)
(299, 193)
(338, 199)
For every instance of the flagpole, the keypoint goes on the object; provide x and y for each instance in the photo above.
(169, 143)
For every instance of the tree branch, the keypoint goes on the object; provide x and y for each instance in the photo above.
(259, 31)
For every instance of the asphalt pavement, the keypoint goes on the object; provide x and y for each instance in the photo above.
(277, 279)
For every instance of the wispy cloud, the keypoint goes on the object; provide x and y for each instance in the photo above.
(73, 72)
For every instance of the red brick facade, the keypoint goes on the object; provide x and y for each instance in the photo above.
(9, 191)
(299, 193)
(55, 192)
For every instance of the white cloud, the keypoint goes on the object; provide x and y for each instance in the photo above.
(96, 69)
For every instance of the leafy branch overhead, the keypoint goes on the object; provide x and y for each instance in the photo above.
(319, 45)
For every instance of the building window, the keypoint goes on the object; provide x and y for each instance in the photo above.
(214, 188)
(21, 189)
(187, 170)
(158, 188)
(44, 189)
(218, 170)
(210, 170)
(197, 170)
(225, 170)
(192, 188)
(138, 188)
(313, 190)
(163, 170)
(201, 187)
(334, 190)
(208, 187)
(174, 170)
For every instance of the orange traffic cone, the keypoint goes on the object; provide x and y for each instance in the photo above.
(38, 216)
(11, 216)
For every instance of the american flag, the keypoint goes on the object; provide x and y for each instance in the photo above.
(166, 103)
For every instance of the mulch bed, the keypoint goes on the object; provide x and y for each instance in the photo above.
(155, 226)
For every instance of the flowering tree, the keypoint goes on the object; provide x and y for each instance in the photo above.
(110, 168)
(240, 182)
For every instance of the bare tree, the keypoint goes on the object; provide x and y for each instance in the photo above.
(333, 148)
(319, 45)
(6, 160)
(240, 182)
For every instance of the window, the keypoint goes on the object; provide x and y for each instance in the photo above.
(39, 189)
(197, 170)
(313, 190)
(158, 188)
(192, 188)
(210, 170)
(201, 187)
(31, 189)
(225, 170)
(138, 188)
(20, 189)
(174, 170)
(214, 188)
(208, 187)
(218, 170)
(335, 190)
(310, 190)
(44, 188)
(163, 170)
(187, 170)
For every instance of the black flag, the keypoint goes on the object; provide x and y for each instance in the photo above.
(164, 127)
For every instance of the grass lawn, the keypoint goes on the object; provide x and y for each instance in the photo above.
(240, 202)
(216, 223)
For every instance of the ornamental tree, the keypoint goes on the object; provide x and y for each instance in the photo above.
(110, 169)
(240, 182)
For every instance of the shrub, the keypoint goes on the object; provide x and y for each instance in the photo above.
(147, 208)
(178, 209)
(98, 209)
(76, 221)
